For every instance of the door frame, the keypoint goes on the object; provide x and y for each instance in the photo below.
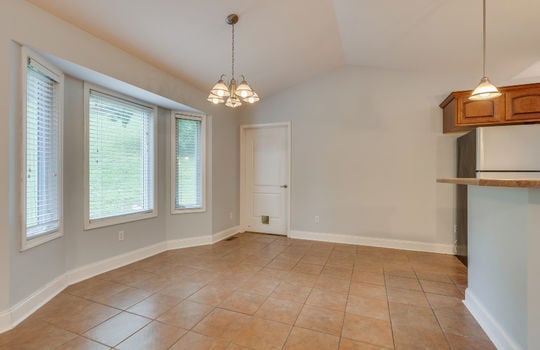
(243, 129)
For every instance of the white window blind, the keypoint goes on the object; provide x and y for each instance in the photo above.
(120, 157)
(189, 163)
(42, 151)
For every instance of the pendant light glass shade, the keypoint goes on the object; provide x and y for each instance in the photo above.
(232, 95)
(233, 102)
(252, 99)
(244, 90)
(215, 99)
(485, 90)
(220, 89)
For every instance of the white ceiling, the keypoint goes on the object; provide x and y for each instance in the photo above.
(283, 42)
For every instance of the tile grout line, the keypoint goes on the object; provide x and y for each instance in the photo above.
(297, 316)
(433, 311)
(388, 304)
(209, 313)
(205, 261)
(347, 303)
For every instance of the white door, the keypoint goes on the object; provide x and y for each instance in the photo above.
(265, 178)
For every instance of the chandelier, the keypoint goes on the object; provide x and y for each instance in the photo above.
(233, 94)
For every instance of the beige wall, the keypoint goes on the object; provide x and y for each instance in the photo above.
(366, 149)
(22, 273)
(225, 154)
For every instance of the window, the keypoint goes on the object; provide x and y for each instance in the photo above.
(42, 150)
(188, 170)
(120, 153)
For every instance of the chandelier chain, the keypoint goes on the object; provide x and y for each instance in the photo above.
(232, 51)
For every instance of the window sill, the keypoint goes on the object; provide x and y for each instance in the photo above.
(116, 220)
(188, 211)
(39, 240)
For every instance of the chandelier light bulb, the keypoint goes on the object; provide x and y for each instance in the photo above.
(252, 99)
(244, 90)
(220, 89)
(233, 102)
(215, 99)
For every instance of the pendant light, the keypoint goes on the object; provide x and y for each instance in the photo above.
(232, 94)
(485, 89)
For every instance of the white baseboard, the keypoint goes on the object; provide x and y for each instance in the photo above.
(202, 240)
(188, 242)
(5, 321)
(493, 329)
(93, 269)
(24, 308)
(374, 242)
(216, 237)
(20, 311)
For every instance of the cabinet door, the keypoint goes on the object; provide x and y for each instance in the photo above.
(523, 104)
(471, 112)
(450, 118)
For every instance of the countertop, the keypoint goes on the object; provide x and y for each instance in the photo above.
(520, 183)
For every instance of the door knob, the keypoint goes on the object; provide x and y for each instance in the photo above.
(283, 186)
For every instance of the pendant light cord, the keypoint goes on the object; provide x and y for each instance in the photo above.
(484, 40)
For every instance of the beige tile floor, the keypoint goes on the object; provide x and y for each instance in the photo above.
(263, 292)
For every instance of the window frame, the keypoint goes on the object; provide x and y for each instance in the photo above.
(58, 76)
(123, 218)
(173, 137)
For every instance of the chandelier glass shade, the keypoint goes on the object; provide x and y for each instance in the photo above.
(232, 94)
(485, 89)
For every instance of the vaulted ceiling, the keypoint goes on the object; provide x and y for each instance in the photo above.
(280, 43)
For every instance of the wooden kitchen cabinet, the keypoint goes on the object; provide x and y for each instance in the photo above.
(517, 104)
(478, 112)
(523, 104)
(450, 113)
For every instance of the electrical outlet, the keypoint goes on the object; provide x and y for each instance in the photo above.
(317, 219)
(121, 235)
(455, 228)
(230, 215)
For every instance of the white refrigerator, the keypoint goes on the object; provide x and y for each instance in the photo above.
(496, 152)
(508, 152)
